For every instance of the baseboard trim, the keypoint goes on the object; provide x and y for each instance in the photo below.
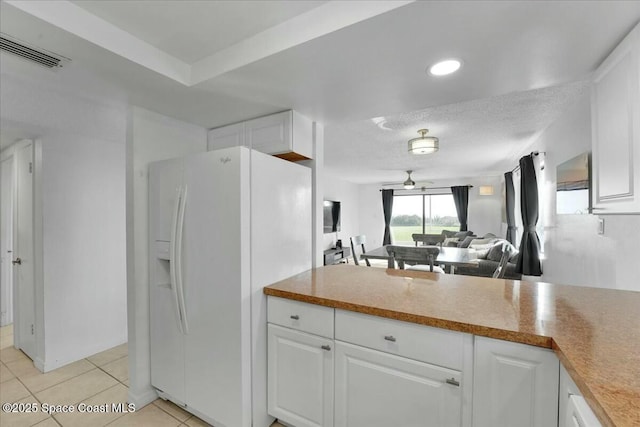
(142, 399)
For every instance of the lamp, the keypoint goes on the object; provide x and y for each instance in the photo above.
(409, 184)
(485, 190)
(423, 144)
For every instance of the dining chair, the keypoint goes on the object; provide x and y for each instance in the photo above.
(417, 257)
(501, 270)
(359, 241)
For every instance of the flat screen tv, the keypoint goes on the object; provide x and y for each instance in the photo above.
(573, 193)
(331, 214)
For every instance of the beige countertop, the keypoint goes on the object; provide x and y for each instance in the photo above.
(595, 332)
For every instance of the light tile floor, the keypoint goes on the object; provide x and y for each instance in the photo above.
(98, 380)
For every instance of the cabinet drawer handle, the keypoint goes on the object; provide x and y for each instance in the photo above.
(452, 381)
(326, 347)
(295, 317)
(390, 338)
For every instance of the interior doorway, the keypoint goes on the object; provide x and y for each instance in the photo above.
(7, 185)
(18, 267)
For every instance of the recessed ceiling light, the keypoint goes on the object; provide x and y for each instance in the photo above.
(445, 67)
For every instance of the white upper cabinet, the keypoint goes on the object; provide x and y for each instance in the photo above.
(615, 116)
(225, 137)
(287, 135)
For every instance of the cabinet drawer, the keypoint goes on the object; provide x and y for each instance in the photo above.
(419, 342)
(311, 318)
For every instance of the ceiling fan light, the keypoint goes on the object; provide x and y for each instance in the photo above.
(409, 184)
(423, 144)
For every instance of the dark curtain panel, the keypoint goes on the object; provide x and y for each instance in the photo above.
(461, 199)
(335, 216)
(510, 194)
(529, 259)
(387, 207)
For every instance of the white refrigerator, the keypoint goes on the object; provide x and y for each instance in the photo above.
(223, 224)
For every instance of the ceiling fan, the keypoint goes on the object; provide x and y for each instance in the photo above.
(408, 184)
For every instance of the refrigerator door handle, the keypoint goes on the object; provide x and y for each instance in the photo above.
(179, 277)
(173, 256)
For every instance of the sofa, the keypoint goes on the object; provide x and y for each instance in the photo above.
(489, 249)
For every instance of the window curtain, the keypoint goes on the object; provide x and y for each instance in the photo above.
(529, 259)
(335, 216)
(387, 207)
(510, 194)
(461, 199)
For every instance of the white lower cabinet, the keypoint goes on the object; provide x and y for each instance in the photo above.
(331, 367)
(574, 410)
(514, 385)
(300, 377)
(377, 389)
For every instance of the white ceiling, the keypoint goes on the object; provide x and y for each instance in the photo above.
(344, 63)
(193, 30)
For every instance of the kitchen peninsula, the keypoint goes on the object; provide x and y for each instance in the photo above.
(595, 333)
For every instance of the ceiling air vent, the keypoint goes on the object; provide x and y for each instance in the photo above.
(31, 53)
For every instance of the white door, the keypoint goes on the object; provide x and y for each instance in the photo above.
(300, 377)
(377, 389)
(23, 273)
(514, 385)
(167, 339)
(7, 182)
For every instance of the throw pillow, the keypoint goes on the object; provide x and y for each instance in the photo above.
(463, 234)
(466, 242)
(448, 233)
(495, 253)
(450, 241)
(478, 242)
(482, 251)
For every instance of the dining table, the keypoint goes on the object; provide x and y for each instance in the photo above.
(448, 256)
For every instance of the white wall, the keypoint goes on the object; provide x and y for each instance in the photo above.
(80, 124)
(347, 194)
(371, 216)
(574, 252)
(151, 137)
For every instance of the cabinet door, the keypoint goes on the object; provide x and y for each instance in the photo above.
(514, 385)
(300, 377)
(225, 137)
(270, 134)
(567, 389)
(579, 414)
(615, 108)
(377, 389)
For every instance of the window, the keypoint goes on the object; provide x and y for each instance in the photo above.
(422, 213)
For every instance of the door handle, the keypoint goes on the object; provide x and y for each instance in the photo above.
(17, 261)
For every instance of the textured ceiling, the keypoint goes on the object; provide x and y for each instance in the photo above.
(477, 138)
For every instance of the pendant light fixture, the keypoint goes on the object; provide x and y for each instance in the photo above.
(423, 144)
(409, 184)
